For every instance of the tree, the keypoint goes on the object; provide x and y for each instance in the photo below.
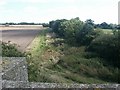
(104, 25)
(71, 29)
(90, 22)
(74, 30)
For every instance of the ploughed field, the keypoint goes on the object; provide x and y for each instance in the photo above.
(22, 36)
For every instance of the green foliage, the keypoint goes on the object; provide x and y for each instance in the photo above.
(74, 65)
(74, 61)
(45, 24)
(90, 22)
(100, 45)
(55, 25)
(107, 46)
(105, 25)
(74, 30)
(86, 34)
(9, 50)
(71, 29)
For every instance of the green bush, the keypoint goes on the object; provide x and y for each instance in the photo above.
(107, 46)
(90, 35)
(85, 35)
(71, 29)
(10, 50)
(55, 25)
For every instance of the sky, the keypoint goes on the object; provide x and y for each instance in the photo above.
(43, 11)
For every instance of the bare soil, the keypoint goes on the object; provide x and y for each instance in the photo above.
(22, 37)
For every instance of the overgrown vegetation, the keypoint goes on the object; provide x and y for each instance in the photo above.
(107, 46)
(10, 50)
(102, 45)
(65, 59)
(83, 33)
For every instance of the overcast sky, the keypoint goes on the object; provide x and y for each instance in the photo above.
(46, 10)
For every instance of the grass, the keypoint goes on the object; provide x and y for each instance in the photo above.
(107, 31)
(94, 68)
(52, 60)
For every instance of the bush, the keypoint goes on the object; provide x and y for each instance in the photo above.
(9, 50)
(85, 35)
(107, 47)
(71, 29)
(55, 25)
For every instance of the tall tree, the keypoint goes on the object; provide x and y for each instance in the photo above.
(90, 22)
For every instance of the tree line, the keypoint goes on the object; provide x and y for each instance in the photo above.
(25, 23)
(103, 25)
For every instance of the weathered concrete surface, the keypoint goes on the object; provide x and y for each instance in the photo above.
(15, 69)
(22, 84)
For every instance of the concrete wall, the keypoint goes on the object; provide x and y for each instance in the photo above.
(14, 71)
(22, 84)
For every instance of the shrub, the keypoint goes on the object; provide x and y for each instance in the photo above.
(90, 35)
(85, 35)
(71, 28)
(107, 47)
(9, 50)
(55, 25)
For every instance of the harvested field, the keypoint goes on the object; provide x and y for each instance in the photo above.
(22, 35)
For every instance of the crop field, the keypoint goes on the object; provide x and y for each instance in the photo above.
(22, 36)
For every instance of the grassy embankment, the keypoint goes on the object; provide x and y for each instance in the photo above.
(52, 60)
